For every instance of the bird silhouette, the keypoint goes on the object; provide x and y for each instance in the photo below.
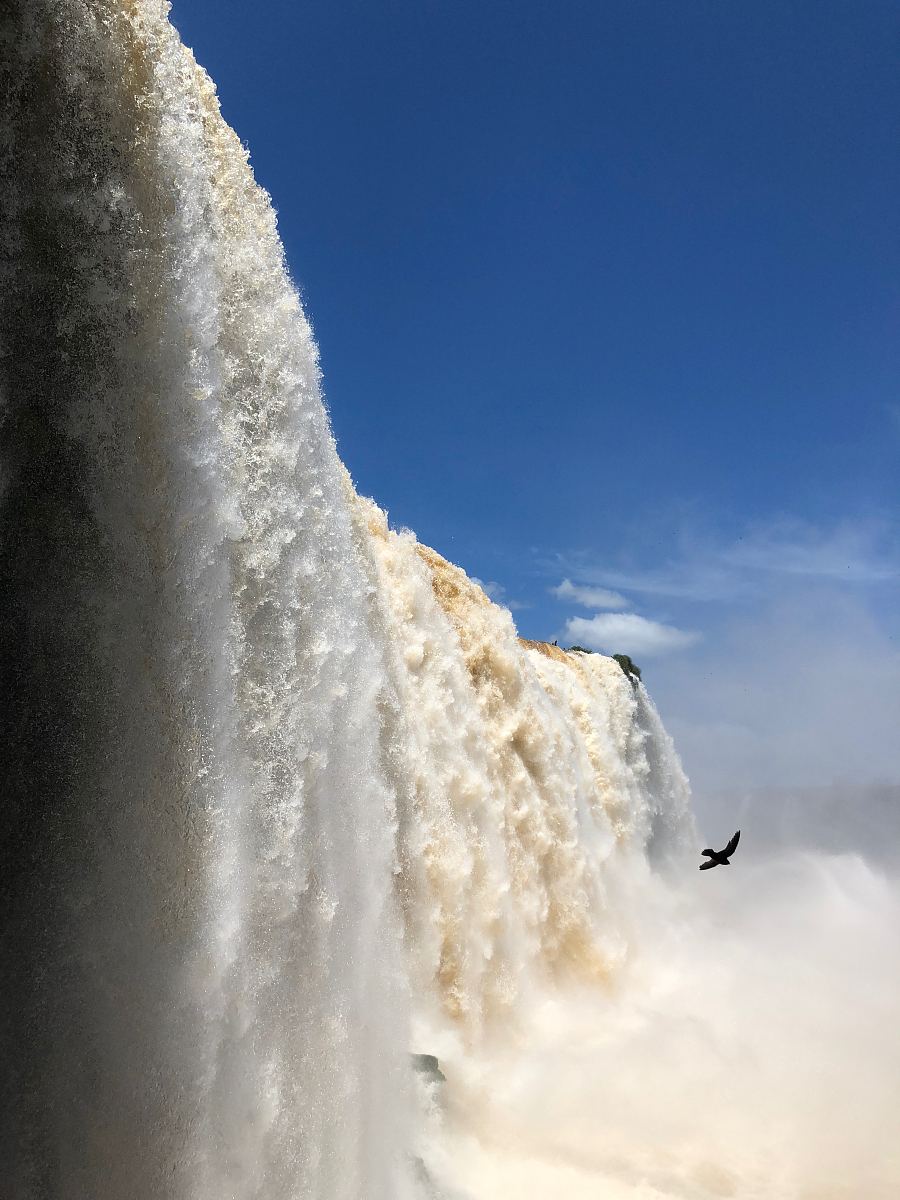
(719, 858)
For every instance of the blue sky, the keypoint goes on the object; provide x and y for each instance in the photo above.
(608, 293)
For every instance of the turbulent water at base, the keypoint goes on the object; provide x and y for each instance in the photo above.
(285, 797)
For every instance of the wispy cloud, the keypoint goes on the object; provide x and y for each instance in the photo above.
(859, 553)
(628, 633)
(680, 580)
(589, 597)
(851, 551)
(497, 592)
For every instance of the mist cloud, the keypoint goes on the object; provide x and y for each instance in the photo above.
(747, 1054)
(802, 692)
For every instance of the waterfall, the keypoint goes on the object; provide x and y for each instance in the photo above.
(285, 797)
(198, 862)
(534, 785)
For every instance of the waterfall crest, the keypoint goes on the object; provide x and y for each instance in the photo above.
(284, 792)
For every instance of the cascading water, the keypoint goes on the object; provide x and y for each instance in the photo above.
(285, 798)
(532, 784)
(200, 948)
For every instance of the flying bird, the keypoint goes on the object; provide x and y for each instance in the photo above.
(719, 858)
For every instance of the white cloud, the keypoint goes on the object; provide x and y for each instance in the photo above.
(628, 633)
(589, 597)
(497, 592)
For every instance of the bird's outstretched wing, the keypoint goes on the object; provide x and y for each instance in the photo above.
(710, 863)
(732, 845)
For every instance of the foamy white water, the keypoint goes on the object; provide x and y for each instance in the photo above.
(207, 991)
(286, 798)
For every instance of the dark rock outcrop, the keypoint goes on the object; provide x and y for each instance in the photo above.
(631, 669)
(428, 1065)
